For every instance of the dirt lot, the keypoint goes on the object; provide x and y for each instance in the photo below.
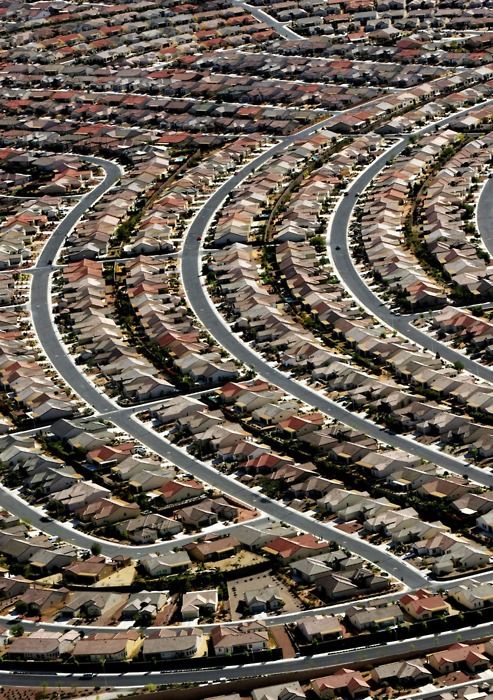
(239, 561)
(122, 577)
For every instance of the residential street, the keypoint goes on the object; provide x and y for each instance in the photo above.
(55, 351)
(283, 31)
(246, 304)
(338, 235)
(323, 662)
(205, 310)
(484, 215)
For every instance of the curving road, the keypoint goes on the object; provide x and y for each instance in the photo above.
(484, 215)
(310, 664)
(345, 269)
(29, 513)
(205, 310)
(55, 351)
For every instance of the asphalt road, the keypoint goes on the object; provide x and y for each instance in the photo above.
(275, 509)
(269, 621)
(320, 662)
(484, 215)
(348, 274)
(14, 504)
(54, 350)
(283, 31)
(41, 309)
(206, 312)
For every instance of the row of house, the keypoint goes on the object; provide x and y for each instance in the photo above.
(44, 174)
(461, 325)
(47, 479)
(319, 69)
(399, 471)
(304, 214)
(368, 22)
(257, 311)
(38, 184)
(164, 219)
(382, 224)
(187, 116)
(87, 315)
(157, 299)
(300, 483)
(412, 50)
(443, 227)
(307, 281)
(127, 32)
(238, 220)
(24, 372)
(91, 238)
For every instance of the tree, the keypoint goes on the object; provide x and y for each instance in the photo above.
(143, 618)
(17, 630)
(20, 607)
(96, 549)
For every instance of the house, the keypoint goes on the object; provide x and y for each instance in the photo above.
(213, 549)
(33, 648)
(256, 537)
(88, 436)
(369, 617)
(172, 644)
(108, 455)
(298, 547)
(284, 691)
(469, 656)
(310, 569)
(89, 571)
(319, 628)
(473, 595)
(199, 604)
(111, 646)
(485, 523)
(237, 639)
(47, 561)
(266, 599)
(79, 495)
(92, 603)
(144, 604)
(197, 516)
(423, 605)
(107, 511)
(344, 682)
(407, 673)
(149, 528)
(338, 586)
(175, 491)
(156, 565)
(10, 587)
(41, 600)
